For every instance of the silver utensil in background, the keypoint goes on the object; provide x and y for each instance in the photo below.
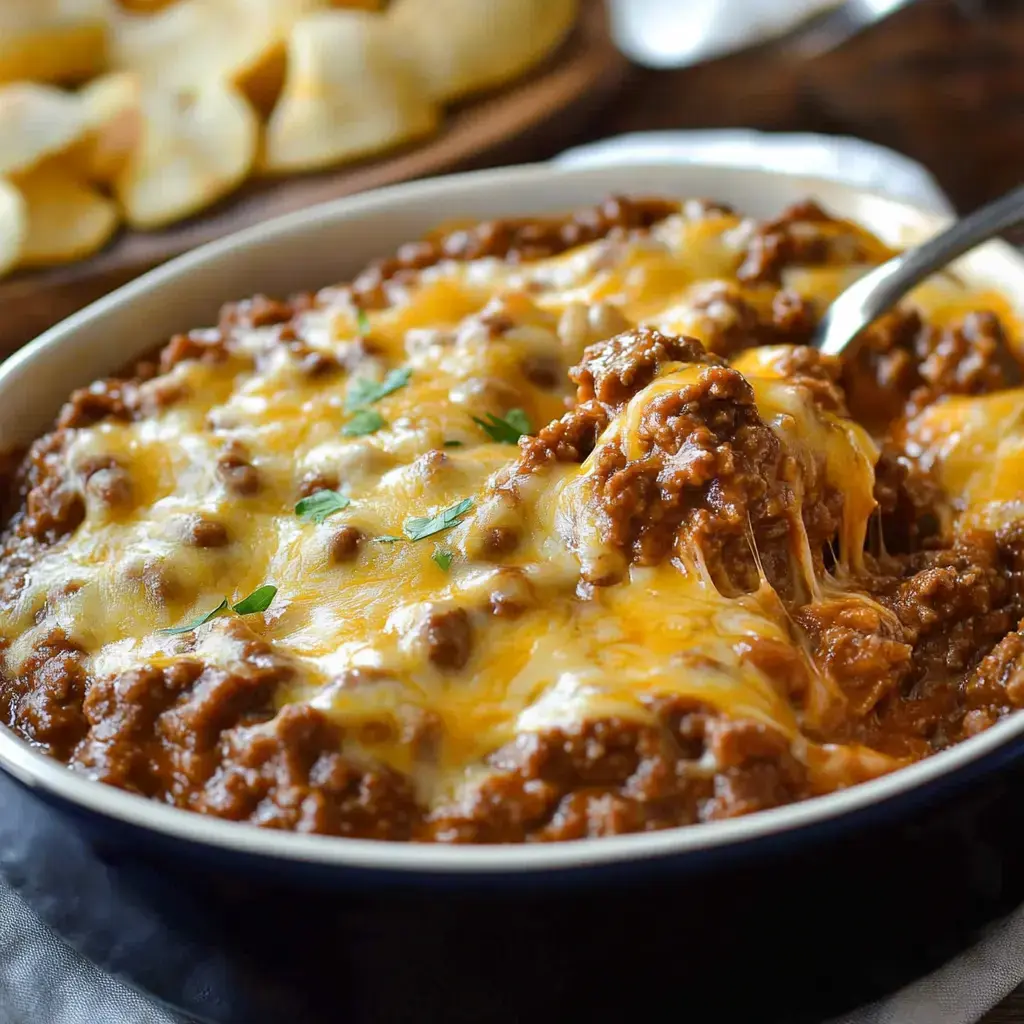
(680, 33)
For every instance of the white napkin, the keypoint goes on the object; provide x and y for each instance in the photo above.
(671, 33)
(677, 33)
(965, 989)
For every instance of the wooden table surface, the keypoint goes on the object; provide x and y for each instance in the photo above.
(940, 81)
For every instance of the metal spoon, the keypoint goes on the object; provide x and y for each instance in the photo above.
(878, 291)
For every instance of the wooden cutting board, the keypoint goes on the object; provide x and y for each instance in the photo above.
(584, 72)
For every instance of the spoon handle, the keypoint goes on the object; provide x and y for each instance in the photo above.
(878, 291)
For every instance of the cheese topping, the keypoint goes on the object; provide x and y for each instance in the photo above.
(478, 337)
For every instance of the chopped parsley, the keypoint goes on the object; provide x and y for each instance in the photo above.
(507, 430)
(363, 422)
(362, 321)
(418, 527)
(196, 623)
(317, 507)
(366, 391)
(442, 558)
(453, 444)
(387, 538)
(258, 601)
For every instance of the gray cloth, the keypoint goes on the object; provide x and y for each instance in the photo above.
(44, 981)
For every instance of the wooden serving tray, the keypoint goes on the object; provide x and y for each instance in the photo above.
(585, 71)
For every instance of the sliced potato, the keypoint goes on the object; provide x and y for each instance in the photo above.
(348, 94)
(67, 219)
(52, 40)
(194, 149)
(13, 225)
(113, 110)
(36, 122)
(193, 42)
(462, 46)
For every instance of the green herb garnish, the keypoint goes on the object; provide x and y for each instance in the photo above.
(387, 538)
(442, 558)
(366, 391)
(317, 507)
(453, 444)
(362, 321)
(418, 527)
(196, 623)
(507, 430)
(363, 422)
(258, 601)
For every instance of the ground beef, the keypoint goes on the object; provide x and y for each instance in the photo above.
(996, 686)
(900, 653)
(123, 746)
(613, 371)
(802, 235)
(970, 358)
(901, 364)
(710, 474)
(116, 399)
(259, 311)
(702, 477)
(446, 636)
(912, 507)
(44, 701)
(203, 532)
(816, 373)
(290, 774)
(344, 544)
(52, 502)
(859, 647)
(954, 605)
(236, 472)
(612, 776)
(207, 346)
(731, 324)
(569, 439)
(513, 240)
(208, 739)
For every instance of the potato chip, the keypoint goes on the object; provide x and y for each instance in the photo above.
(145, 6)
(194, 149)
(61, 41)
(463, 46)
(113, 111)
(67, 219)
(13, 225)
(348, 94)
(37, 121)
(193, 42)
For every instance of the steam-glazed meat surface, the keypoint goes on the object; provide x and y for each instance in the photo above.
(539, 530)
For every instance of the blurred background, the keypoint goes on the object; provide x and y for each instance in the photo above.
(133, 130)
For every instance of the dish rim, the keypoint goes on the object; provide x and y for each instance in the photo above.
(37, 771)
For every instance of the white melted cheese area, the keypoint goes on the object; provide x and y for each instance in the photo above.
(124, 575)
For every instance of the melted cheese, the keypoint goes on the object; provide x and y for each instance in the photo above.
(976, 448)
(124, 575)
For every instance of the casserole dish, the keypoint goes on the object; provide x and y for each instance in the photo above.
(756, 868)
